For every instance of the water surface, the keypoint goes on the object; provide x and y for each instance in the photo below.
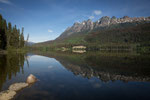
(72, 76)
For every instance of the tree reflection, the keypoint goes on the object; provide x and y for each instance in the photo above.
(10, 65)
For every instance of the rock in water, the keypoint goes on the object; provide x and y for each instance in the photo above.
(31, 79)
(7, 95)
(17, 86)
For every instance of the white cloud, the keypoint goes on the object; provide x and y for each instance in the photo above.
(91, 17)
(5, 1)
(97, 12)
(50, 31)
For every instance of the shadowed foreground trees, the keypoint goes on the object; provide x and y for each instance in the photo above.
(10, 36)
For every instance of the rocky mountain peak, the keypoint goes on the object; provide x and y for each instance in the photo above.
(76, 23)
(88, 25)
(126, 17)
(113, 20)
(104, 21)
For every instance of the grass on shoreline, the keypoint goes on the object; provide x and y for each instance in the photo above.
(13, 50)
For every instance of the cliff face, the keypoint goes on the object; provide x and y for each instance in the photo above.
(102, 22)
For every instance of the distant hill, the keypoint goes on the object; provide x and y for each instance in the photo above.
(29, 43)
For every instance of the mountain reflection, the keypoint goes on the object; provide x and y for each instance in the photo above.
(10, 65)
(105, 66)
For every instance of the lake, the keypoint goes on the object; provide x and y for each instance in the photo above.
(78, 76)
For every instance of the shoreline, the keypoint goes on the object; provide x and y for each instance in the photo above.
(3, 52)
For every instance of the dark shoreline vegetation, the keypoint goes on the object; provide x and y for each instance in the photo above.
(11, 39)
(129, 36)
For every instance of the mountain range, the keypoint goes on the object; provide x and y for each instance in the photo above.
(102, 22)
(104, 33)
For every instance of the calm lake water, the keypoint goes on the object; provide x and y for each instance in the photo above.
(73, 76)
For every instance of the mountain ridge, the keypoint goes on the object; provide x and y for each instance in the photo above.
(104, 21)
(105, 34)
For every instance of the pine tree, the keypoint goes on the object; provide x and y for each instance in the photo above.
(13, 37)
(3, 28)
(10, 37)
(17, 37)
(4, 34)
(22, 42)
(0, 32)
(9, 31)
(27, 40)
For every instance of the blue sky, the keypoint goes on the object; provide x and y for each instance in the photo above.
(47, 19)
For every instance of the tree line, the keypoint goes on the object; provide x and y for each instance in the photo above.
(10, 36)
(138, 34)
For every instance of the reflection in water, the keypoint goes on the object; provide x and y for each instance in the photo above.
(106, 67)
(10, 65)
(74, 76)
(79, 51)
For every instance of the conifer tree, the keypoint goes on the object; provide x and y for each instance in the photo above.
(9, 31)
(10, 36)
(3, 28)
(22, 42)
